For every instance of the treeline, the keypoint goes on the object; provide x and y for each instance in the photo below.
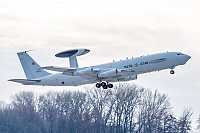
(122, 109)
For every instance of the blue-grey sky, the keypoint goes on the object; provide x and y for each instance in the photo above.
(112, 30)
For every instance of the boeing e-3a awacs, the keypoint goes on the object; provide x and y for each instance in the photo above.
(103, 75)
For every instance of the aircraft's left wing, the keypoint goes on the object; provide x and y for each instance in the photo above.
(59, 69)
(71, 71)
(91, 73)
(94, 74)
(25, 81)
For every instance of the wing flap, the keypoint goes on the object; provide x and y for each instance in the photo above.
(25, 81)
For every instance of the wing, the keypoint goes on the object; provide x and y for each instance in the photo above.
(72, 71)
(91, 73)
(24, 81)
(65, 70)
(59, 69)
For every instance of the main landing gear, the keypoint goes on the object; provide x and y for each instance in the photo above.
(104, 85)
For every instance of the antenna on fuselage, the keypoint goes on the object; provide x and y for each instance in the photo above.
(72, 55)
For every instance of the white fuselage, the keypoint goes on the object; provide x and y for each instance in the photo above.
(140, 65)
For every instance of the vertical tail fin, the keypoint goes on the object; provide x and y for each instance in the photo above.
(31, 68)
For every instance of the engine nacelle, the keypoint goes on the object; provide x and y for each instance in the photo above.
(109, 73)
(133, 77)
(85, 71)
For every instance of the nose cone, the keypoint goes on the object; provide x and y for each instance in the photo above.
(187, 57)
(183, 58)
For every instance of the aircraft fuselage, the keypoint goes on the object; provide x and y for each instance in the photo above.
(138, 65)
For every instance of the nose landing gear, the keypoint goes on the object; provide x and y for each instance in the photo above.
(104, 85)
(172, 71)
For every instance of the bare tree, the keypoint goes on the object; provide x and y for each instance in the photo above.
(48, 110)
(74, 113)
(152, 111)
(9, 120)
(198, 123)
(127, 98)
(102, 105)
(170, 124)
(185, 121)
(25, 109)
(125, 108)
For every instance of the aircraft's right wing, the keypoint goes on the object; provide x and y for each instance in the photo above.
(25, 81)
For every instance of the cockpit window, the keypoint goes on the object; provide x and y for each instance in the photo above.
(180, 54)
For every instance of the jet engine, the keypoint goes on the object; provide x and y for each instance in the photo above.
(85, 71)
(109, 73)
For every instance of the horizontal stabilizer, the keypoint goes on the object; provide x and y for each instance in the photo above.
(24, 81)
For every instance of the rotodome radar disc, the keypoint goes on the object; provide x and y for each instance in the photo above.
(72, 52)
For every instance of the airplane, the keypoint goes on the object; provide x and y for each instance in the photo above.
(103, 75)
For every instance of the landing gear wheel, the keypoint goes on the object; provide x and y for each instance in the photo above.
(105, 87)
(103, 84)
(110, 85)
(172, 72)
(98, 85)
